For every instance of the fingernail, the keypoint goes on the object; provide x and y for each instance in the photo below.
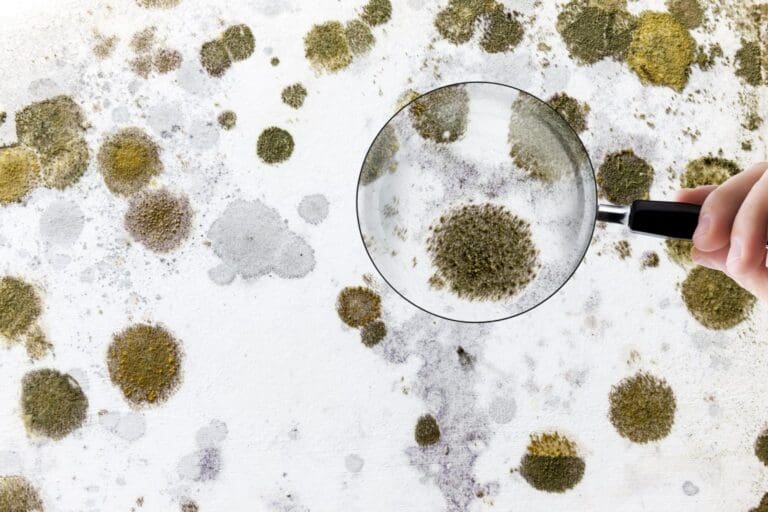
(703, 227)
(734, 255)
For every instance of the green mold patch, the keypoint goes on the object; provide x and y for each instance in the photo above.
(749, 62)
(128, 160)
(149, 57)
(144, 361)
(359, 37)
(662, 51)
(377, 12)
(679, 251)
(294, 95)
(55, 129)
(358, 306)
(715, 300)
(17, 494)
(483, 252)
(552, 463)
(372, 333)
(571, 109)
(274, 146)
(456, 23)
(593, 32)
(427, 431)
(689, 13)
(752, 123)
(160, 220)
(227, 120)
(624, 177)
(19, 173)
(708, 170)
(381, 156)
(52, 403)
(326, 46)
(20, 307)
(642, 408)
(623, 249)
(167, 60)
(441, 115)
(235, 44)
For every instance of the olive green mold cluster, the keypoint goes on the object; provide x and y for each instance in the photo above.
(715, 300)
(708, 170)
(749, 62)
(690, 13)
(275, 145)
(53, 129)
(623, 249)
(707, 56)
(144, 361)
(128, 160)
(150, 57)
(332, 45)
(381, 156)
(294, 95)
(427, 431)
(360, 307)
(17, 494)
(624, 177)
(593, 32)
(483, 252)
(501, 30)
(642, 408)
(159, 219)
(552, 463)
(52, 403)
(441, 115)
(227, 120)
(761, 447)
(235, 44)
(572, 110)
(20, 308)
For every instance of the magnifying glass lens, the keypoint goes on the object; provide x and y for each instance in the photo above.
(476, 202)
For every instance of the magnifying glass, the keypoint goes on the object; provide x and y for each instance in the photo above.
(477, 201)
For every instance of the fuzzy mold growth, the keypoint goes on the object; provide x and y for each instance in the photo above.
(52, 403)
(128, 160)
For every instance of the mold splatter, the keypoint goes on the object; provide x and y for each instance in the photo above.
(427, 432)
(19, 307)
(359, 36)
(377, 12)
(593, 32)
(483, 252)
(326, 46)
(708, 170)
(252, 240)
(275, 145)
(159, 219)
(144, 361)
(372, 333)
(357, 306)
(17, 494)
(150, 57)
(294, 95)
(624, 177)
(128, 160)
(748, 62)
(642, 408)
(52, 403)
(661, 51)
(715, 300)
(227, 120)
(552, 463)
(441, 115)
(313, 208)
(381, 156)
(19, 171)
(572, 110)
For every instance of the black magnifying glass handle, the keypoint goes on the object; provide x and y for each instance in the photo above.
(661, 218)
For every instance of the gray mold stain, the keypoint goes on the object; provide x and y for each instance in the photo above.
(61, 223)
(129, 426)
(314, 208)
(204, 464)
(252, 240)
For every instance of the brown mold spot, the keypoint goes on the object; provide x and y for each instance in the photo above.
(372, 333)
(160, 220)
(357, 306)
(52, 403)
(128, 160)
(17, 494)
(19, 171)
(427, 432)
(552, 463)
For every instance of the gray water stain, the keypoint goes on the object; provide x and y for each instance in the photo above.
(129, 426)
(690, 489)
(502, 409)
(205, 464)
(212, 435)
(252, 240)
(61, 223)
(354, 463)
(314, 208)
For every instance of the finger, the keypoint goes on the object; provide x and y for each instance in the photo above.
(719, 210)
(748, 234)
(714, 260)
(694, 195)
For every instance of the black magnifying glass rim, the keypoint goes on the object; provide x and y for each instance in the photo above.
(555, 291)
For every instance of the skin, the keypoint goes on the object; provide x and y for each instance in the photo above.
(733, 227)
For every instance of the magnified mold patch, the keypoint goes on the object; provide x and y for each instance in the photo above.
(252, 240)
(235, 44)
(144, 361)
(662, 50)
(624, 177)
(159, 219)
(441, 115)
(572, 110)
(275, 145)
(642, 408)
(593, 31)
(294, 95)
(19, 173)
(128, 160)
(715, 300)
(17, 494)
(483, 252)
(52, 403)
(552, 463)
(381, 156)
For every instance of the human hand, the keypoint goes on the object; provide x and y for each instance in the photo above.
(733, 227)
